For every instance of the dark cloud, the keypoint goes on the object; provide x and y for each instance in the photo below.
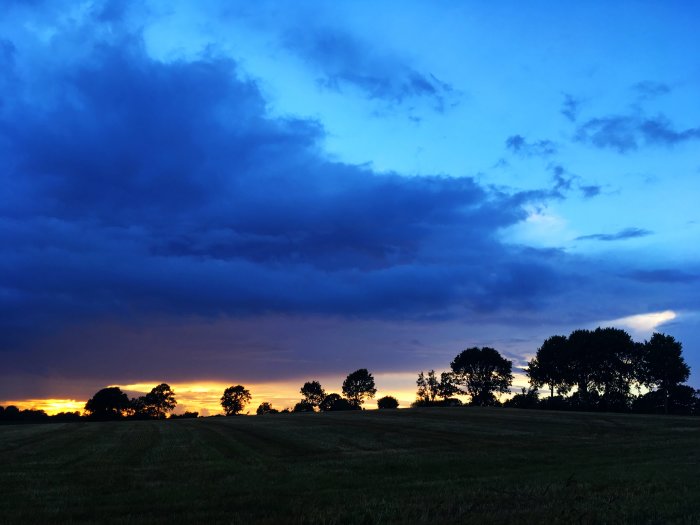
(520, 146)
(344, 61)
(570, 107)
(627, 133)
(663, 275)
(138, 187)
(627, 233)
(564, 182)
(590, 191)
(649, 89)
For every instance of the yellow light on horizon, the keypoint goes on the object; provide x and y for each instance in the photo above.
(50, 406)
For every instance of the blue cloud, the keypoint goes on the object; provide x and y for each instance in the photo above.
(663, 275)
(625, 133)
(627, 233)
(649, 89)
(570, 107)
(520, 146)
(344, 61)
(134, 185)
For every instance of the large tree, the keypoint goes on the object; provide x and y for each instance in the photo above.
(108, 403)
(430, 387)
(313, 393)
(359, 386)
(482, 372)
(160, 401)
(235, 398)
(663, 366)
(333, 403)
(551, 365)
(602, 365)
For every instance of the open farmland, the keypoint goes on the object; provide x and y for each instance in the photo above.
(461, 465)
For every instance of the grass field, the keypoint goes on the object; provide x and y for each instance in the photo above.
(438, 465)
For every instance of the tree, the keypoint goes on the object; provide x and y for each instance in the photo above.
(527, 398)
(550, 366)
(387, 402)
(235, 398)
(481, 372)
(303, 406)
(265, 408)
(428, 387)
(602, 366)
(313, 393)
(663, 366)
(185, 415)
(447, 388)
(358, 386)
(160, 401)
(157, 404)
(333, 402)
(108, 403)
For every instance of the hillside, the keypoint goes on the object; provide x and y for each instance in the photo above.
(462, 465)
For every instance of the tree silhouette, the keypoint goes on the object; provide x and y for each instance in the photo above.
(157, 404)
(428, 387)
(108, 403)
(185, 415)
(161, 401)
(235, 398)
(551, 365)
(303, 406)
(333, 402)
(482, 371)
(358, 386)
(265, 408)
(602, 362)
(446, 387)
(663, 366)
(313, 393)
(387, 402)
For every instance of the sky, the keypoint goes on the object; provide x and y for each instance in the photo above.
(214, 193)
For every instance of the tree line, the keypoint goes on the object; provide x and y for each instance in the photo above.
(601, 369)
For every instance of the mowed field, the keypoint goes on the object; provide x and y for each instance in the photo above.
(435, 465)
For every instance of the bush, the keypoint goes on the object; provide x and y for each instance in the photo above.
(387, 402)
(303, 406)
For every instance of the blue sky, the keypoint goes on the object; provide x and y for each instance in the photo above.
(274, 191)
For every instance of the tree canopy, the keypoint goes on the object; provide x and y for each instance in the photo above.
(482, 372)
(387, 402)
(313, 393)
(663, 366)
(235, 398)
(108, 403)
(359, 386)
(551, 365)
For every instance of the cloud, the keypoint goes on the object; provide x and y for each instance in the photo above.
(649, 89)
(642, 324)
(625, 133)
(520, 146)
(345, 62)
(570, 107)
(590, 191)
(137, 187)
(663, 275)
(565, 182)
(627, 233)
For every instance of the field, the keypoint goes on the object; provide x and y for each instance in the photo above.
(436, 465)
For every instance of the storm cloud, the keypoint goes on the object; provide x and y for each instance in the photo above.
(143, 186)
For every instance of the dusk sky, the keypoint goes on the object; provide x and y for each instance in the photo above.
(213, 193)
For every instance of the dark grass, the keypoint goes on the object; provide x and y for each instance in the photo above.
(434, 465)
